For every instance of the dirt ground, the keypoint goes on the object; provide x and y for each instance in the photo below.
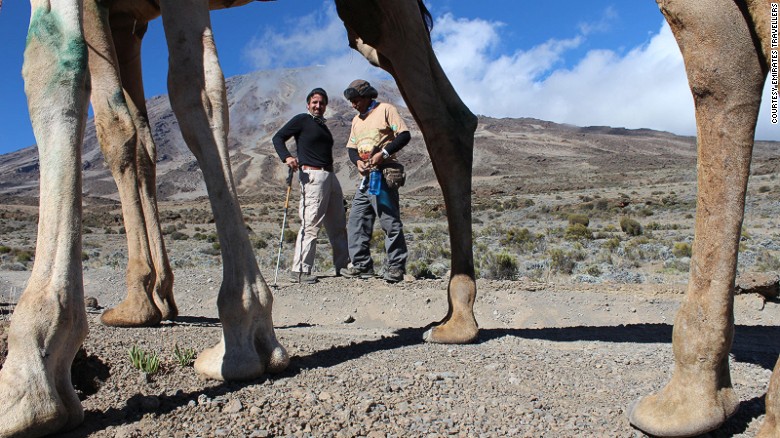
(552, 360)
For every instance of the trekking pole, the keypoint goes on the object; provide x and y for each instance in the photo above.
(284, 222)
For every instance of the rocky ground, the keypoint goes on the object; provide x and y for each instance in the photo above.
(553, 360)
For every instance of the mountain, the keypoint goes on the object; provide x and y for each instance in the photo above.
(510, 155)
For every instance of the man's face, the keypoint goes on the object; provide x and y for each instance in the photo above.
(360, 103)
(317, 105)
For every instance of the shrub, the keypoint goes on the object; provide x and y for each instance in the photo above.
(630, 226)
(5, 249)
(23, 256)
(681, 249)
(515, 237)
(764, 189)
(611, 244)
(501, 266)
(582, 219)
(593, 270)
(290, 236)
(564, 262)
(419, 269)
(602, 205)
(178, 235)
(766, 262)
(259, 243)
(578, 232)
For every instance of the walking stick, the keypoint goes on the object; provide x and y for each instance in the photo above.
(284, 222)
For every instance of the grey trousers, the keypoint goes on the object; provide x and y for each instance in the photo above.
(360, 225)
(322, 203)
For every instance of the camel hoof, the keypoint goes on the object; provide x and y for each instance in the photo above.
(452, 333)
(241, 365)
(34, 409)
(673, 414)
(126, 316)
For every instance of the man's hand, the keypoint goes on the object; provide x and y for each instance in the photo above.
(363, 167)
(377, 158)
(292, 163)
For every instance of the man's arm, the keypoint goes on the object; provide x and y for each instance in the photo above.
(400, 140)
(279, 139)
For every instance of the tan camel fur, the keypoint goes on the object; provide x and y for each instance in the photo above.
(114, 30)
(724, 44)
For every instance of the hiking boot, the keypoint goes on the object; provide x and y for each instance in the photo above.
(393, 275)
(302, 277)
(353, 272)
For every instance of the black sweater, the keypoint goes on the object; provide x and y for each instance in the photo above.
(313, 139)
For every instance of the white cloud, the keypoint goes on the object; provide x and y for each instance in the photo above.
(645, 87)
(316, 39)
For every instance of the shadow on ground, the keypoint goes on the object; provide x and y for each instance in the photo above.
(759, 345)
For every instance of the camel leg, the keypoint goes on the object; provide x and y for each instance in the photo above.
(128, 34)
(49, 324)
(726, 76)
(447, 126)
(118, 140)
(770, 428)
(197, 91)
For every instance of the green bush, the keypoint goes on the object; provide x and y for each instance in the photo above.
(564, 262)
(501, 266)
(178, 235)
(290, 236)
(766, 262)
(612, 244)
(578, 232)
(23, 256)
(593, 271)
(515, 237)
(259, 243)
(681, 249)
(419, 269)
(630, 226)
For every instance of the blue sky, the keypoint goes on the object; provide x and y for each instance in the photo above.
(598, 62)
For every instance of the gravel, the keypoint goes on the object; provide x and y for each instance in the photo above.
(553, 360)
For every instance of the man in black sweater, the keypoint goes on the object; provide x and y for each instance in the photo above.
(322, 201)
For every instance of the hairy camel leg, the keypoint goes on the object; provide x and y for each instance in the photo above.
(770, 428)
(49, 324)
(197, 88)
(118, 139)
(726, 76)
(447, 126)
(128, 34)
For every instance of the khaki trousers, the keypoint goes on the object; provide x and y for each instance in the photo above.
(322, 203)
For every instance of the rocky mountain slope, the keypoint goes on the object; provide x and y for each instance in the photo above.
(511, 155)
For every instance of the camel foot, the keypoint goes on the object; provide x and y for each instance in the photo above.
(683, 409)
(167, 307)
(31, 406)
(163, 297)
(243, 362)
(768, 430)
(135, 311)
(453, 331)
